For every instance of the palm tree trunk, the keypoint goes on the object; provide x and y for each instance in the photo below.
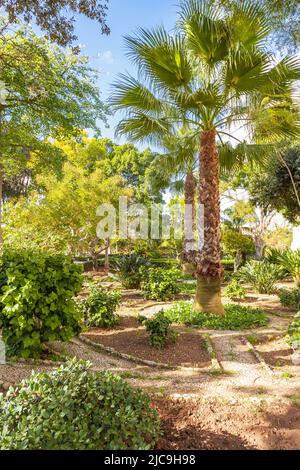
(188, 255)
(209, 267)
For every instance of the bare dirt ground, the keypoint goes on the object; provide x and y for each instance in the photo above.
(251, 402)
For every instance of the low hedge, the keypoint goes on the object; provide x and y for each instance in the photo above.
(74, 408)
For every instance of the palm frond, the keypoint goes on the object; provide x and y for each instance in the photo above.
(130, 93)
(206, 32)
(248, 23)
(232, 158)
(245, 70)
(160, 57)
(144, 127)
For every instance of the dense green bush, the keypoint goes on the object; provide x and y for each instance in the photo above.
(73, 408)
(236, 317)
(36, 301)
(160, 331)
(294, 330)
(160, 283)
(234, 290)
(290, 297)
(128, 267)
(261, 275)
(99, 308)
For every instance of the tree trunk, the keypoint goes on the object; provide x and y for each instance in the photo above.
(106, 260)
(208, 259)
(188, 255)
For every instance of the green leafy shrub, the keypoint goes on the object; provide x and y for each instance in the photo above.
(36, 301)
(73, 408)
(236, 317)
(261, 275)
(160, 331)
(160, 283)
(128, 267)
(234, 290)
(290, 297)
(294, 330)
(99, 308)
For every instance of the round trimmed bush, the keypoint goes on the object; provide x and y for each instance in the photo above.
(74, 408)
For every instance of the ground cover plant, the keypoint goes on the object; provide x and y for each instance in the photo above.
(99, 308)
(36, 301)
(74, 408)
(236, 317)
(234, 290)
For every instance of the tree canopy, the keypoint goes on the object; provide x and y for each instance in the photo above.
(51, 15)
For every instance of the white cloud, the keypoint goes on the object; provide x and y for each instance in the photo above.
(106, 56)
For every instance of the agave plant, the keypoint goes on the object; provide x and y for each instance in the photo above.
(261, 275)
(290, 261)
(273, 255)
(128, 267)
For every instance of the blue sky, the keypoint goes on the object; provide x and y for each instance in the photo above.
(107, 53)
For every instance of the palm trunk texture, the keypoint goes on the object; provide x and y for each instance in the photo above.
(208, 260)
(188, 255)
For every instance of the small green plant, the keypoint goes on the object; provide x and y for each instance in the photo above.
(290, 297)
(99, 308)
(160, 331)
(287, 375)
(236, 317)
(74, 408)
(234, 290)
(253, 339)
(36, 301)
(294, 330)
(128, 267)
(160, 283)
(261, 275)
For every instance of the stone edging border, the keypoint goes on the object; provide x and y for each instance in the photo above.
(257, 355)
(137, 360)
(215, 363)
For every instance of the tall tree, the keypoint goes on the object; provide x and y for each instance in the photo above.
(278, 186)
(176, 169)
(51, 15)
(215, 71)
(50, 93)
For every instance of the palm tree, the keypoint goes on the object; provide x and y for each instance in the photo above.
(214, 74)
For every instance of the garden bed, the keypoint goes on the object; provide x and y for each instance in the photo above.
(129, 337)
(276, 353)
